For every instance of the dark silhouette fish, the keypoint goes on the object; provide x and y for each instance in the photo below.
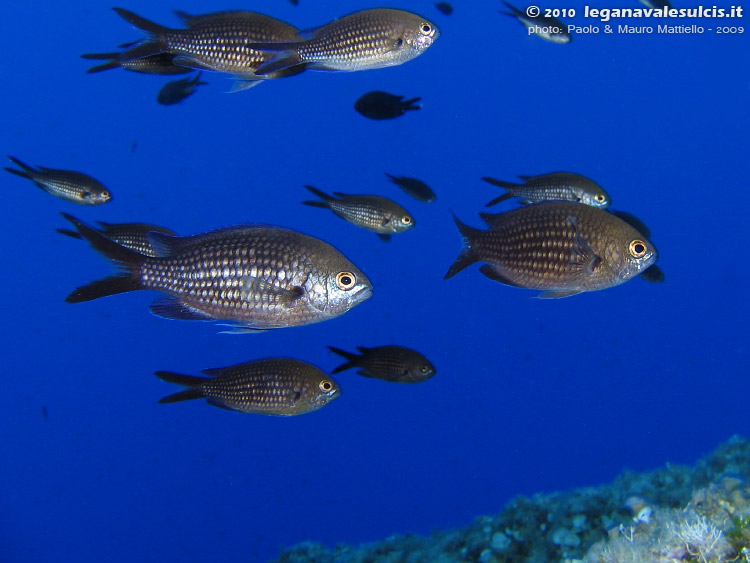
(71, 186)
(370, 212)
(382, 105)
(444, 8)
(415, 188)
(564, 186)
(177, 90)
(657, 4)
(219, 42)
(559, 247)
(363, 40)
(272, 386)
(546, 27)
(130, 235)
(159, 63)
(390, 363)
(255, 277)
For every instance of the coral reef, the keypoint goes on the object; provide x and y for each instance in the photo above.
(674, 514)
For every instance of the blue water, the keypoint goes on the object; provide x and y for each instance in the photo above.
(531, 395)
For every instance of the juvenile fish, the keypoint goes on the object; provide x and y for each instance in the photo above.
(370, 212)
(381, 105)
(444, 8)
(564, 186)
(160, 63)
(360, 41)
(415, 188)
(561, 248)
(255, 277)
(130, 235)
(66, 184)
(391, 363)
(273, 386)
(219, 42)
(177, 90)
(546, 27)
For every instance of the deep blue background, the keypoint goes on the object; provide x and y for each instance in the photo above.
(531, 395)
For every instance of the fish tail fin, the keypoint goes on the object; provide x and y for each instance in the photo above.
(106, 66)
(502, 184)
(513, 10)
(322, 195)
(111, 57)
(348, 355)
(26, 170)
(408, 104)
(466, 257)
(498, 199)
(69, 233)
(153, 45)
(125, 258)
(141, 23)
(194, 383)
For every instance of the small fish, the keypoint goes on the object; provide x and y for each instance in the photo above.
(657, 4)
(255, 277)
(654, 274)
(272, 386)
(564, 186)
(177, 90)
(546, 27)
(218, 42)
(382, 105)
(363, 40)
(370, 212)
(390, 363)
(65, 184)
(159, 63)
(415, 188)
(295, 2)
(444, 8)
(130, 235)
(559, 247)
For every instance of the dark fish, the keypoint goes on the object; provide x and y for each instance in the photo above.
(295, 2)
(364, 40)
(548, 28)
(559, 247)
(657, 4)
(160, 63)
(391, 363)
(415, 188)
(565, 186)
(177, 90)
(382, 105)
(274, 386)
(45, 413)
(130, 235)
(255, 277)
(218, 42)
(654, 274)
(65, 184)
(371, 212)
(444, 8)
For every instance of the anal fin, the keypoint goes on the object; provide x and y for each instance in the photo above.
(171, 307)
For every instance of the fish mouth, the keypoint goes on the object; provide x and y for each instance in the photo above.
(363, 293)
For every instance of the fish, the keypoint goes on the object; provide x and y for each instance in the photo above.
(130, 235)
(177, 90)
(444, 8)
(562, 248)
(654, 274)
(271, 386)
(565, 186)
(382, 105)
(415, 188)
(75, 187)
(371, 212)
(390, 363)
(217, 42)
(546, 27)
(657, 4)
(364, 40)
(159, 63)
(251, 277)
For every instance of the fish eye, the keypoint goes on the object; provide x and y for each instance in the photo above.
(105, 193)
(325, 386)
(424, 369)
(599, 198)
(637, 248)
(406, 220)
(425, 28)
(346, 280)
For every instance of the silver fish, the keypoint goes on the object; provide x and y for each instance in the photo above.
(370, 212)
(559, 247)
(219, 42)
(130, 235)
(65, 184)
(272, 386)
(360, 41)
(564, 186)
(546, 27)
(255, 277)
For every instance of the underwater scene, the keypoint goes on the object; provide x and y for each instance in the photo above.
(318, 281)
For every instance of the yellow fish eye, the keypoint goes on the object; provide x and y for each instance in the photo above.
(406, 220)
(425, 28)
(346, 280)
(325, 386)
(637, 248)
(599, 198)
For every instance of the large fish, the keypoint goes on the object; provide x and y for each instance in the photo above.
(255, 277)
(564, 186)
(130, 235)
(218, 42)
(363, 40)
(274, 386)
(390, 363)
(559, 247)
(66, 184)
